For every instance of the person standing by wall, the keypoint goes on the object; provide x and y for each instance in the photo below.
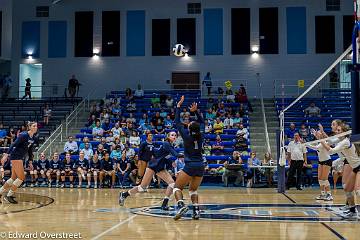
(207, 82)
(27, 88)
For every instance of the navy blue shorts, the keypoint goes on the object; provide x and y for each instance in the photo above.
(156, 166)
(194, 171)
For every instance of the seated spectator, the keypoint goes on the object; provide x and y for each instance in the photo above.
(104, 115)
(131, 119)
(130, 152)
(252, 172)
(237, 119)
(155, 101)
(242, 97)
(106, 144)
(3, 134)
(234, 159)
(88, 152)
(221, 111)
(312, 110)
(169, 102)
(304, 132)
(163, 113)
(131, 106)
(158, 124)
(94, 170)
(122, 169)
(218, 126)
(218, 146)
(163, 98)
(123, 138)
(228, 122)
(210, 104)
(116, 130)
(129, 94)
(84, 141)
(91, 122)
(67, 170)
(241, 110)
(97, 131)
(268, 172)
(208, 126)
(169, 123)
(134, 140)
(230, 97)
(116, 110)
(139, 92)
(100, 151)
(107, 170)
(207, 147)
(144, 119)
(220, 91)
(243, 130)
(71, 146)
(110, 138)
(42, 167)
(82, 165)
(116, 153)
(291, 131)
(47, 114)
(179, 165)
(184, 112)
(179, 142)
(240, 144)
(210, 114)
(10, 138)
(106, 126)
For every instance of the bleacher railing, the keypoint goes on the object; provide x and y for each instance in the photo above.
(220, 83)
(41, 91)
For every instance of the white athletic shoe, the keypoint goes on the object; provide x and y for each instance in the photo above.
(344, 208)
(350, 215)
(181, 212)
(95, 186)
(321, 197)
(83, 176)
(328, 197)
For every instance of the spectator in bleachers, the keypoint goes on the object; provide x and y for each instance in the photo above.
(107, 170)
(116, 110)
(84, 141)
(110, 138)
(312, 110)
(230, 97)
(122, 169)
(304, 133)
(104, 115)
(100, 151)
(97, 131)
(179, 142)
(71, 146)
(291, 131)
(11, 136)
(134, 139)
(228, 121)
(208, 83)
(252, 172)
(234, 159)
(169, 123)
(220, 92)
(241, 97)
(131, 106)
(172, 114)
(268, 172)
(243, 130)
(211, 104)
(218, 146)
(7, 84)
(131, 119)
(144, 119)
(73, 86)
(155, 101)
(47, 114)
(218, 126)
(88, 152)
(123, 139)
(107, 126)
(163, 98)
(240, 143)
(130, 152)
(158, 124)
(184, 113)
(210, 114)
(169, 102)
(3, 135)
(333, 79)
(139, 92)
(116, 130)
(116, 153)
(106, 144)
(91, 122)
(30, 170)
(208, 126)
(221, 111)
(179, 165)
(129, 94)
(207, 147)
(134, 170)
(237, 119)
(163, 113)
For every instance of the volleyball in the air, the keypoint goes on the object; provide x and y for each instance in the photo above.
(179, 50)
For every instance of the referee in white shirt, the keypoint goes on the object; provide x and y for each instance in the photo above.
(297, 159)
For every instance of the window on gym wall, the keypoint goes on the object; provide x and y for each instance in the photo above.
(348, 25)
(240, 30)
(42, 11)
(186, 34)
(325, 34)
(110, 33)
(0, 31)
(269, 30)
(160, 37)
(84, 22)
(332, 5)
(194, 8)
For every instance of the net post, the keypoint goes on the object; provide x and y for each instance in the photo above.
(280, 169)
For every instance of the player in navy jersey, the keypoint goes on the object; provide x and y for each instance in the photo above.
(81, 166)
(193, 171)
(157, 166)
(18, 151)
(146, 151)
(54, 169)
(107, 169)
(123, 167)
(43, 166)
(95, 168)
(67, 170)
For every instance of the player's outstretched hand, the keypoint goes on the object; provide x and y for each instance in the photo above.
(181, 101)
(193, 107)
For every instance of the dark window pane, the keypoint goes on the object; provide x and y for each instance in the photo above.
(269, 30)
(110, 33)
(240, 30)
(325, 34)
(186, 34)
(161, 37)
(84, 22)
(348, 25)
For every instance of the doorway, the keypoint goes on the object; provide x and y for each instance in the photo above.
(34, 72)
(185, 80)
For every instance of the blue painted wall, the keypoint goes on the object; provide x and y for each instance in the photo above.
(296, 30)
(213, 31)
(135, 33)
(57, 39)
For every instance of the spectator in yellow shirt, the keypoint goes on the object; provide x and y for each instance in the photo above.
(218, 126)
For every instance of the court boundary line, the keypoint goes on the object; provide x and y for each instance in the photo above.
(336, 233)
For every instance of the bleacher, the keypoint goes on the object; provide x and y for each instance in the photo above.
(14, 113)
(334, 104)
(144, 106)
